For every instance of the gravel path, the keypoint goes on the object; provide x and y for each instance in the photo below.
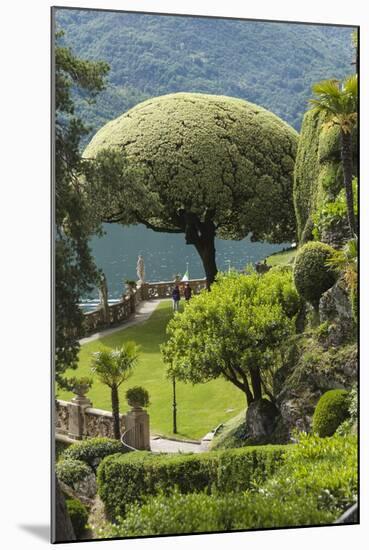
(163, 445)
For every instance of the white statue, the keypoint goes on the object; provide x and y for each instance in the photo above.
(140, 270)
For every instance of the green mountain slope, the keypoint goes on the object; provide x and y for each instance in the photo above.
(272, 64)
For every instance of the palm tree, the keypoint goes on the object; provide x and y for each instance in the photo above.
(338, 103)
(112, 368)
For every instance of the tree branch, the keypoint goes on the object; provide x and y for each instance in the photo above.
(156, 228)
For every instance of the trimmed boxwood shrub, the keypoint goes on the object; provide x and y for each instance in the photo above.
(332, 409)
(123, 479)
(312, 486)
(311, 274)
(92, 451)
(60, 447)
(78, 514)
(71, 471)
(201, 513)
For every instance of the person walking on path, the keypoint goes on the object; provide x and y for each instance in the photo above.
(176, 295)
(187, 292)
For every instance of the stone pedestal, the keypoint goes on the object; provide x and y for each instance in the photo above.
(138, 429)
(77, 421)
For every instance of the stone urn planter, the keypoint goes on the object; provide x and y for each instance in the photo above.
(137, 420)
(137, 398)
(135, 405)
(80, 387)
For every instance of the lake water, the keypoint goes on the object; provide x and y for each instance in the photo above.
(165, 255)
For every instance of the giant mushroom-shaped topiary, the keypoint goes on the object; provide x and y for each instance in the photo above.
(197, 164)
(312, 274)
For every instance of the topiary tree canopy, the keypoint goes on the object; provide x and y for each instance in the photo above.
(312, 273)
(197, 164)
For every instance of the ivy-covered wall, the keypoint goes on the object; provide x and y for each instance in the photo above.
(318, 172)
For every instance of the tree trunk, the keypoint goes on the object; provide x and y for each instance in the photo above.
(346, 154)
(256, 383)
(115, 410)
(202, 236)
(206, 250)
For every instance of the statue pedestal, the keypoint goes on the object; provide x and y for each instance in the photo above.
(138, 429)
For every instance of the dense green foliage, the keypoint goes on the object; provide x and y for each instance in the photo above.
(202, 513)
(332, 409)
(123, 479)
(60, 447)
(306, 171)
(272, 64)
(313, 486)
(312, 274)
(75, 271)
(337, 102)
(318, 173)
(92, 451)
(345, 262)
(350, 424)
(332, 214)
(235, 332)
(78, 514)
(70, 470)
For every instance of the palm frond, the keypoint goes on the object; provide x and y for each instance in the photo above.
(326, 88)
(350, 85)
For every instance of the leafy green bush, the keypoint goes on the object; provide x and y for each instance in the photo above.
(92, 451)
(199, 513)
(316, 482)
(70, 471)
(332, 409)
(78, 514)
(123, 479)
(311, 274)
(60, 447)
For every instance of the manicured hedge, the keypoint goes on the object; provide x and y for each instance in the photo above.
(92, 451)
(332, 409)
(123, 479)
(199, 513)
(78, 514)
(316, 482)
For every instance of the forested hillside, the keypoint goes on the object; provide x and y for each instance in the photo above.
(272, 64)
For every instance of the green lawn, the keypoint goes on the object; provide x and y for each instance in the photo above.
(282, 258)
(200, 408)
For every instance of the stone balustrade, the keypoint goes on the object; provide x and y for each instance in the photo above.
(122, 310)
(77, 420)
(164, 289)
